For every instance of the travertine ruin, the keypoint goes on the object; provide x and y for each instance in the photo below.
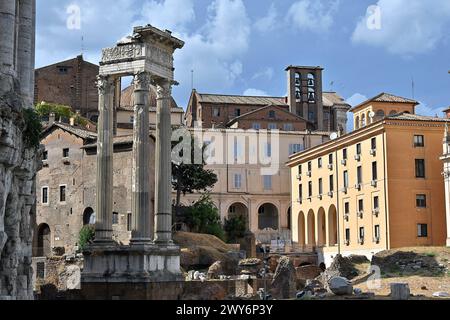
(18, 164)
(151, 256)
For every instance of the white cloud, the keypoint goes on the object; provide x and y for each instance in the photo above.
(214, 52)
(265, 74)
(407, 26)
(268, 22)
(424, 110)
(354, 100)
(313, 15)
(169, 14)
(255, 93)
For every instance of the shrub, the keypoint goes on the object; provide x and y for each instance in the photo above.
(203, 217)
(235, 228)
(33, 128)
(86, 236)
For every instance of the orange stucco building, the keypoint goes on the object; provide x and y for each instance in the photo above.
(377, 188)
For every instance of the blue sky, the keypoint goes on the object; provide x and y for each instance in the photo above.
(243, 46)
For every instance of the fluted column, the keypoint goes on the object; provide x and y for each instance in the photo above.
(7, 34)
(25, 50)
(163, 165)
(103, 226)
(142, 222)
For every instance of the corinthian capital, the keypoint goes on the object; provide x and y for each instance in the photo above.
(163, 90)
(142, 80)
(105, 85)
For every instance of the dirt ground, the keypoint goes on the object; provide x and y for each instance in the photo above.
(422, 283)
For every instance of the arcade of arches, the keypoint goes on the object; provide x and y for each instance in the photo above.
(318, 228)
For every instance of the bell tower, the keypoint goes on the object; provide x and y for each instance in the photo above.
(305, 93)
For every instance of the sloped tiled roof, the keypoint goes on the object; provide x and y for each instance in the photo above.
(263, 108)
(415, 117)
(78, 131)
(241, 100)
(329, 99)
(388, 98)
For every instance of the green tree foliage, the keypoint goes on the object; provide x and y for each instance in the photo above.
(190, 178)
(87, 235)
(32, 128)
(235, 228)
(203, 217)
(44, 110)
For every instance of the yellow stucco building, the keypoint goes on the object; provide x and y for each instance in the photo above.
(377, 188)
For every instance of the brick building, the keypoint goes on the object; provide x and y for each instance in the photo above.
(71, 83)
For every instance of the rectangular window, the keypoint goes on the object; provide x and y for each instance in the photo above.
(300, 169)
(376, 202)
(420, 168)
(267, 182)
(373, 144)
(310, 189)
(216, 112)
(309, 166)
(272, 126)
(45, 155)
(332, 183)
(361, 234)
(422, 230)
(237, 112)
(320, 187)
(374, 171)
(115, 218)
(294, 148)
(346, 182)
(421, 201)
(66, 153)
(256, 126)
(272, 114)
(330, 159)
(419, 141)
(359, 175)
(319, 163)
(237, 181)
(347, 235)
(62, 193)
(268, 150)
(300, 192)
(45, 195)
(288, 127)
(131, 119)
(377, 232)
(347, 208)
(358, 149)
(129, 222)
(361, 205)
(344, 154)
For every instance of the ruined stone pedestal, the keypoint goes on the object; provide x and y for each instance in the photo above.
(131, 264)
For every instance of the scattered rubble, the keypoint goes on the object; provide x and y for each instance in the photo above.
(284, 281)
(340, 286)
(400, 291)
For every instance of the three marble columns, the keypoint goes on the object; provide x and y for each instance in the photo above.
(144, 229)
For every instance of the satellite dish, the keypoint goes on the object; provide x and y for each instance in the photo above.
(371, 115)
(333, 136)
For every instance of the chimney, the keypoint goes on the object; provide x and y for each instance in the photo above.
(51, 119)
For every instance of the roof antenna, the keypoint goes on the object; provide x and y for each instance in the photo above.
(413, 87)
(82, 45)
(192, 79)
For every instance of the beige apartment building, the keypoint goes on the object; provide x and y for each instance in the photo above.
(377, 188)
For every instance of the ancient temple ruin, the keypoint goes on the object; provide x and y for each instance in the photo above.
(147, 55)
(18, 160)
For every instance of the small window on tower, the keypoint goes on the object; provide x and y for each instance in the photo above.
(272, 114)
(63, 70)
